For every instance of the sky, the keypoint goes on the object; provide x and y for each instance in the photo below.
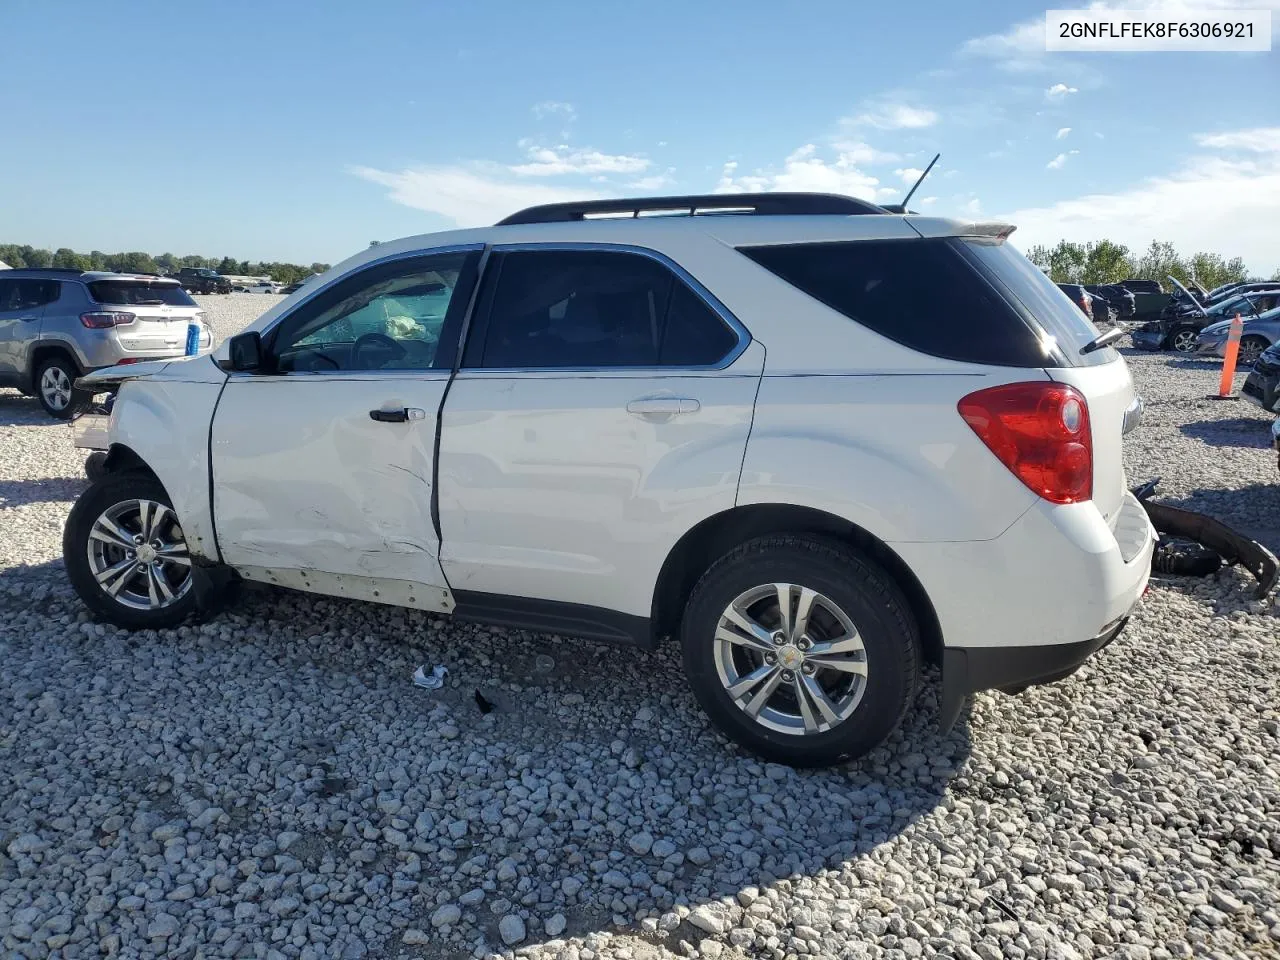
(301, 131)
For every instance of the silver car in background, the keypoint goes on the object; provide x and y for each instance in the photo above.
(1258, 334)
(57, 325)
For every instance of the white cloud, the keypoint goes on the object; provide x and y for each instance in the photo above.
(555, 161)
(655, 182)
(973, 207)
(469, 196)
(1057, 162)
(928, 201)
(805, 170)
(908, 175)
(860, 152)
(1062, 133)
(890, 115)
(1100, 136)
(1223, 202)
(555, 108)
(1059, 91)
(1257, 140)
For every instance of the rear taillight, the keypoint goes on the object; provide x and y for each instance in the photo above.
(1040, 431)
(102, 319)
(1086, 307)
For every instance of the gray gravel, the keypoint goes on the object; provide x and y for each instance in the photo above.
(270, 784)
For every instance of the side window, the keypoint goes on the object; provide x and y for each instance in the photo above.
(27, 294)
(402, 315)
(562, 309)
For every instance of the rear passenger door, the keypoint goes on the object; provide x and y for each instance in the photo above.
(22, 303)
(601, 410)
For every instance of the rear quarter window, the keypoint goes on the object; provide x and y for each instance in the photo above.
(923, 294)
(139, 293)
(1038, 300)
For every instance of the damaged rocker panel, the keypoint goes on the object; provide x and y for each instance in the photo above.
(397, 593)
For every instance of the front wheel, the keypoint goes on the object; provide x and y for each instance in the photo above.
(801, 650)
(1250, 350)
(126, 554)
(1183, 341)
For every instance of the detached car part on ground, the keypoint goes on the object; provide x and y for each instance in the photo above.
(574, 426)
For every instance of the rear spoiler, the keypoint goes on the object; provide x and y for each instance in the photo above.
(935, 227)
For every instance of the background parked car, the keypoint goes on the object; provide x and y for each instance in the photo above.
(1149, 299)
(1081, 297)
(1262, 388)
(202, 280)
(1259, 333)
(1122, 303)
(57, 325)
(296, 285)
(1180, 331)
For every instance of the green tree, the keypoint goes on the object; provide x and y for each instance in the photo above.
(11, 254)
(227, 265)
(69, 259)
(1107, 262)
(322, 267)
(1276, 275)
(1161, 261)
(38, 258)
(167, 262)
(1210, 270)
(1064, 263)
(97, 260)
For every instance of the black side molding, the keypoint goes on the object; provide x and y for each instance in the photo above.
(967, 670)
(552, 616)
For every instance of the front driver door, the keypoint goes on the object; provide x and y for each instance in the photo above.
(323, 465)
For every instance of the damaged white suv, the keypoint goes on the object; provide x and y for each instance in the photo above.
(820, 443)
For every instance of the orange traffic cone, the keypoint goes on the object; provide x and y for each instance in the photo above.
(1229, 362)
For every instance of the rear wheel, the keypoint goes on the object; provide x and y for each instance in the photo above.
(1250, 350)
(55, 388)
(801, 650)
(126, 554)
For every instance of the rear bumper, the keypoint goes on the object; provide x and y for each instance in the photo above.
(1262, 389)
(1012, 669)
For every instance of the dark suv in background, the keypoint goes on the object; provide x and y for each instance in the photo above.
(202, 280)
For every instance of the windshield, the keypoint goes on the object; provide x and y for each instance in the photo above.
(139, 293)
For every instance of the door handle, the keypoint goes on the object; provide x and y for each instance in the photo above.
(27, 319)
(402, 415)
(655, 408)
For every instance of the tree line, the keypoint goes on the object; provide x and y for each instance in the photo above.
(136, 262)
(1105, 261)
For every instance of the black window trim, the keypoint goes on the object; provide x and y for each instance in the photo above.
(479, 326)
(269, 333)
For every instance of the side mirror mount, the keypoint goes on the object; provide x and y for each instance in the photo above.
(244, 353)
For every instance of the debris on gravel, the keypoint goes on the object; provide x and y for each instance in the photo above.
(268, 784)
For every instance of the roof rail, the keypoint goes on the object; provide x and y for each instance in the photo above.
(49, 270)
(759, 204)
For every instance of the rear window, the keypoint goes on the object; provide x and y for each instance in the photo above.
(139, 293)
(923, 294)
(1039, 300)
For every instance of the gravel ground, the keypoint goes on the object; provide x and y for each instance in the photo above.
(270, 784)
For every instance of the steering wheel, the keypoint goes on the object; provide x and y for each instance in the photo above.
(382, 341)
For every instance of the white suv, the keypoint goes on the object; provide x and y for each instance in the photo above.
(822, 444)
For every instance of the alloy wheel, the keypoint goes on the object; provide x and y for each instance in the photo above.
(1250, 351)
(55, 387)
(138, 555)
(1184, 341)
(790, 658)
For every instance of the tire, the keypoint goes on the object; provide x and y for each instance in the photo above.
(54, 384)
(865, 699)
(1251, 349)
(98, 553)
(95, 465)
(1183, 340)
